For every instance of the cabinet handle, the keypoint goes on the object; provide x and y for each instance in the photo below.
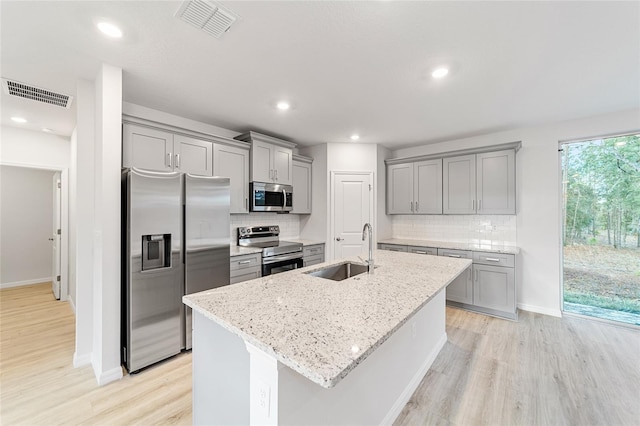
(276, 173)
(246, 203)
(479, 205)
(412, 207)
(473, 204)
(417, 210)
(170, 158)
(492, 259)
(244, 262)
(420, 252)
(177, 161)
(454, 255)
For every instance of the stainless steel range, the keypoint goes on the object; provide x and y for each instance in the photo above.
(277, 256)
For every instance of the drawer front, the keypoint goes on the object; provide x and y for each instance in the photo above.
(240, 275)
(313, 260)
(392, 247)
(313, 250)
(246, 261)
(423, 250)
(462, 254)
(494, 259)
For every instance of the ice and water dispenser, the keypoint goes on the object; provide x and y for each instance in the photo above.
(156, 251)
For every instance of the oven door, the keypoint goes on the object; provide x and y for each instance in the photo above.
(271, 197)
(283, 263)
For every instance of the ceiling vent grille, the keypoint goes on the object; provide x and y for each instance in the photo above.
(208, 16)
(21, 90)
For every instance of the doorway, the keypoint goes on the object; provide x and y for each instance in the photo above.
(351, 208)
(601, 228)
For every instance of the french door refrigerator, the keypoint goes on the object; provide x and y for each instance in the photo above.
(164, 213)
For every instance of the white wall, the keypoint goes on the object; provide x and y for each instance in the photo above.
(30, 148)
(26, 220)
(538, 202)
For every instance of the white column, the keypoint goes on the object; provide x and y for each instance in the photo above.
(106, 286)
(84, 217)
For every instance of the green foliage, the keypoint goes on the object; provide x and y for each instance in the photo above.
(601, 184)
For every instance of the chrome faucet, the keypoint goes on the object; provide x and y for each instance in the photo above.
(370, 261)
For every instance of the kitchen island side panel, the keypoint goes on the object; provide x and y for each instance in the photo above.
(220, 364)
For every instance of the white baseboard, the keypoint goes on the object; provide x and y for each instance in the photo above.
(540, 310)
(81, 360)
(408, 391)
(72, 304)
(26, 282)
(108, 376)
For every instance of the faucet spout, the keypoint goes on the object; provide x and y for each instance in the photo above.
(368, 227)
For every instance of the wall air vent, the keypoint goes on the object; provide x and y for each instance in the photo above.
(208, 16)
(15, 88)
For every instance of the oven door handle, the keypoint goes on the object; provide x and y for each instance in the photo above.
(284, 204)
(275, 259)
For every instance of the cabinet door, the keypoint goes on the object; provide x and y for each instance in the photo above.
(301, 187)
(282, 164)
(261, 167)
(459, 185)
(427, 187)
(146, 148)
(494, 288)
(400, 189)
(233, 162)
(244, 275)
(496, 182)
(193, 155)
(393, 247)
(461, 289)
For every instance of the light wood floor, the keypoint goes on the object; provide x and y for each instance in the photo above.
(537, 371)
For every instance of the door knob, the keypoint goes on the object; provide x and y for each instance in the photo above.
(338, 239)
(50, 239)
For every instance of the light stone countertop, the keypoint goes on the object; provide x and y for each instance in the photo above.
(492, 248)
(322, 328)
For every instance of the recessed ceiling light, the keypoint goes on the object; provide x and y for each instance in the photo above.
(46, 130)
(110, 30)
(19, 119)
(355, 137)
(440, 72)
(283, 105)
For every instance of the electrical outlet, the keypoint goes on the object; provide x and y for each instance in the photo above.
(264, 396)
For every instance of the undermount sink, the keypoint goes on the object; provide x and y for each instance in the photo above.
(340, 272)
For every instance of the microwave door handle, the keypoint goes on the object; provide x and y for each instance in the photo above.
(284, 203)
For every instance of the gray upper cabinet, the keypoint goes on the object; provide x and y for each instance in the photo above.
(482, 183)
(233, 162)
(415, 188)
(193, 155)
(459, 184)
(147, 148)
(160, 150)
(496, 182)
(400, 189)
(271, 158)
(301, 185)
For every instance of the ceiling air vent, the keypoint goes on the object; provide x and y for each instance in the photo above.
(208, 16)
(15, 88)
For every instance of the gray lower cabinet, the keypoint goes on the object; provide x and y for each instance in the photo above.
(245, 267)
(487, 286)
(461, 289)
(393, 247)
(313, 254)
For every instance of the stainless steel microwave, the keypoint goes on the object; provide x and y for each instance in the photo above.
(271, 197)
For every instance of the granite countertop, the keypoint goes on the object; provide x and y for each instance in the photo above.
(235, 250)
(322, 328)
(492, 248)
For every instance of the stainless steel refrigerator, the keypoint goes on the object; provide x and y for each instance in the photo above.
(175, 237)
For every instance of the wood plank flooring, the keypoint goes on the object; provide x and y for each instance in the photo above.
(537, 371)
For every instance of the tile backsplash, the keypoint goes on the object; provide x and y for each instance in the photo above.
(481, 229)
(289, 223)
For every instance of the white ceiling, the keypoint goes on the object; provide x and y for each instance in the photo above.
(347, 67)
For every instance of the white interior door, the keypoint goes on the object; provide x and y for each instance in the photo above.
(57, 222)
(352, 205)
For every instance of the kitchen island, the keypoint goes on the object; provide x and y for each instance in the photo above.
(292, 348)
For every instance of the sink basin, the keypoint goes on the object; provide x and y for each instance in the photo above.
(340, 272)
